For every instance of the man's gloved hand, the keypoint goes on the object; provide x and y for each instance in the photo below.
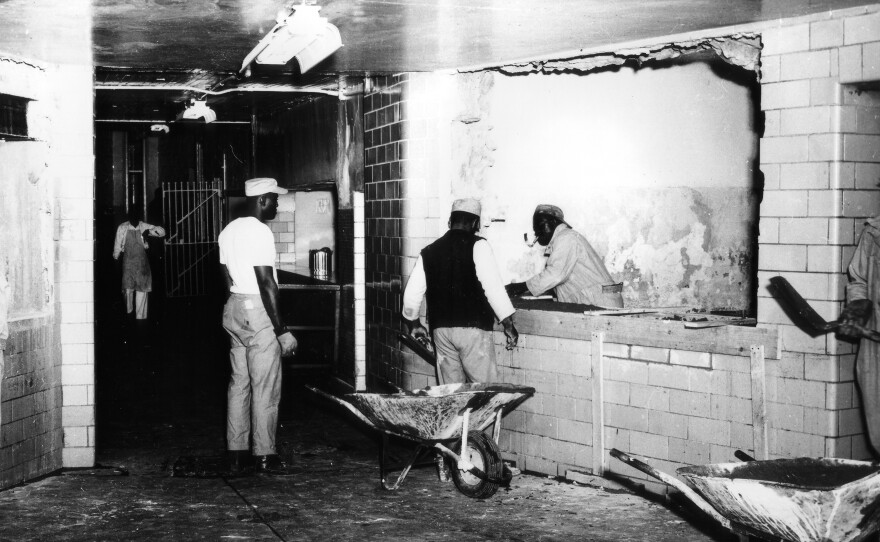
(510, 332)
(516, 288)
(288, 343)
(854, 315)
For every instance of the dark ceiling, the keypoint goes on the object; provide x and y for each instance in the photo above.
(379, 35)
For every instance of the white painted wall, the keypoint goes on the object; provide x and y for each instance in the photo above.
(647, 164)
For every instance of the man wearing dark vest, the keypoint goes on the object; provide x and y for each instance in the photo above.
(459, 277)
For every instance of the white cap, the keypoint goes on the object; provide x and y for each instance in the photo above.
(467, 205)
(262, 185)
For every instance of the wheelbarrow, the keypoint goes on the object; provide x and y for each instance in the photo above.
(791, 500)
(446, 420)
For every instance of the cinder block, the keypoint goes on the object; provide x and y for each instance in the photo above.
(78, 457)
(771, 176)
(688, 451)
(826, 34)
(668, 424)
(622, 370)
(784, 95)
(786, 39)
(849, 62)
(626, 417)
(805, 65)
(808, 231)
(826, 91)
(824, 203)
(818, 421)
(785, 149)
(690, 359)
(617, 392)
(769, 231)
(575, 346)
(867, 175)
(784, 416)
(615, 350)
(75, 395)
(850, 421)
(862, 29)
(871, 61)
(842, 231)
(840, 447)
(741, 385)
(814, 394)
(76, 437)
(805, 176)
(824, 259)
(824, 147)
(649, 397)
(789, 391)
(786, 203)
(861, 148)
(742, 436)
(821, 367)
(732, 409)
(699, 380)
(770, 68)
(772, 122)
(649, 445)
(75, 354)
(859, 203)
(77, 375)
(783, 258)
(719, 382)
(649, 353)
(538, 424)
(839, 396)
(77, 416)
(795, 340)
(709, 431)
(689, 403)
(729, 363)
(722, 454)
(575, 431)
(790, 365)
(795, 444)
(668, 376)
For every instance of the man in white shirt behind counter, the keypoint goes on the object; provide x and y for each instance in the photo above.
(458, 275)
(258, 337)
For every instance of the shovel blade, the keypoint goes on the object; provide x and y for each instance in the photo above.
(802, 313)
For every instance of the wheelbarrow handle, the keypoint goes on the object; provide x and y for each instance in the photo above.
(699, 501)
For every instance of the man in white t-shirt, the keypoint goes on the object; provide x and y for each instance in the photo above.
(258, 337)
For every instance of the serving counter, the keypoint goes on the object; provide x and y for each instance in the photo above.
(641, 382)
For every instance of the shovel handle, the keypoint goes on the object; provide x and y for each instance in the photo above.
(694, 497)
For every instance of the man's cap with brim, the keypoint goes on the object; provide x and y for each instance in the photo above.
(467, 205)
(550, 210)
(262, 185)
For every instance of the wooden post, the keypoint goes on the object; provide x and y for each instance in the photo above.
(759, 406)
(597, 380)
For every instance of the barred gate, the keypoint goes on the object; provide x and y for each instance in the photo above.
(195, 215)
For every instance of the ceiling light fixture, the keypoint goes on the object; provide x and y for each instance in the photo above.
(301, 33)
(198, 110)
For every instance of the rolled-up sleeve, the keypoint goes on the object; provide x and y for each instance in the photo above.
(415, 290)
(560, 264)
(119, 242)
(490, 279)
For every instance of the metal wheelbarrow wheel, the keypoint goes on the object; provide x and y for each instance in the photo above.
(484, 454)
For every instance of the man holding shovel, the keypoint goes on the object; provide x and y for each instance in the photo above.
(862, 305)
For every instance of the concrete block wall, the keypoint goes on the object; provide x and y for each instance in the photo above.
(283, 231)
(820, 155)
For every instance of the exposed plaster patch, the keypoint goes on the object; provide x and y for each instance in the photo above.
(739, 50)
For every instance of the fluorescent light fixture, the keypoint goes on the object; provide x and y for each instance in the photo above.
(301, 33)
(198, 110)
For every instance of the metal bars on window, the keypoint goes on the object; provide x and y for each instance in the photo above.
(13, 117)
(195, 214)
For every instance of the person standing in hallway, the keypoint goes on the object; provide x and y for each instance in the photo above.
(131, 244)
(459, 277)
(252, 317)
(574, 269)
(862, 310)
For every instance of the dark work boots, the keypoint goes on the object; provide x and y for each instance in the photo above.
(271, 464)
(239, 462)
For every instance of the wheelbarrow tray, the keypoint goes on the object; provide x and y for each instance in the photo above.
(802, 500)
(435, 413)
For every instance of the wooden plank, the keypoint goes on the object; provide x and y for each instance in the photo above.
(759, 406)
(648, 332)
(598, 382)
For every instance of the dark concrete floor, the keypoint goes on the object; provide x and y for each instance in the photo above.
(161, 393)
